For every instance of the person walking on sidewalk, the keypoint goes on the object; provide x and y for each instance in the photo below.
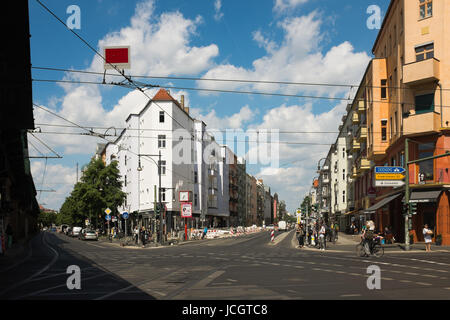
(144, 237)
(136, 234)
(300, 235)
(205, 231)
(427, 234)
(322, 239)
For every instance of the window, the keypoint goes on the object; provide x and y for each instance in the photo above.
(125, 159)
(161, 116)
(125, 180)
(402, 159)
(426, 167)
(162, 167)
(343, 174)
(383, 89)
(195, 177)
(161, 141)
(343, 196)
(383, 130)
(195, 200)
(425, 8)
(425, 52)
(343, 153)
(163, 194)
(424, 103)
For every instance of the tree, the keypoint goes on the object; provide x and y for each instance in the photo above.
(47, 218)
(100, 188)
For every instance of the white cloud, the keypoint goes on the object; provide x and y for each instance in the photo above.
(217, 6)
(284, 5)
(297, 58)
(58, 178)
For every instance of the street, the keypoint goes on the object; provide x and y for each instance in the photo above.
(238, 268)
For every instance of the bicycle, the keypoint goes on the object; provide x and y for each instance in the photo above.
(376, 249)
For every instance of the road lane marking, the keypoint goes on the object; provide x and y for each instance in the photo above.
(350, 295)
(424, 284)
(203, 283)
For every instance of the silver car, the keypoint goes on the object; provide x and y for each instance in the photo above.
(88, 235)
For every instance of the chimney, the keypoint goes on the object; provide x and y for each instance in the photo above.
(182, 104)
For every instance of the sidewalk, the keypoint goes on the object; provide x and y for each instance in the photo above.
(18, 252)
(347, 243)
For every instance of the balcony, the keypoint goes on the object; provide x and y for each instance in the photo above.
(423, 122)
(361, 135)
(361, 106)
(420, 72)
(363, 165)
(354, 173)
(355, 118)
(355, 145)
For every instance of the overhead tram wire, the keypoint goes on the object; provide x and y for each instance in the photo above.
(128, 78)
(230, 80)
(244, 92)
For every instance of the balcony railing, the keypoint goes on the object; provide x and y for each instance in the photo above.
(361, 134)
(355, 145)
(421, 72)
(361, 106)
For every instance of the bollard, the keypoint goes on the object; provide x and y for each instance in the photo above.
(272, 235)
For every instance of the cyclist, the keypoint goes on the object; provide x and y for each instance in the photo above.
(368, 236)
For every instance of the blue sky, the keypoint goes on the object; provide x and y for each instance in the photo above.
(319, 41)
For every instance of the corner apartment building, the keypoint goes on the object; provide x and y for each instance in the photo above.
(403, 95)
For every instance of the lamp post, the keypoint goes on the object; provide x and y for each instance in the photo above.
(159, 188)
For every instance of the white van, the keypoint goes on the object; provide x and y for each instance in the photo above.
(76, 231)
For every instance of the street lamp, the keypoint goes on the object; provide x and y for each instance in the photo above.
(159, 188)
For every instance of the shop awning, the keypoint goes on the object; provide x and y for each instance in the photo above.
(424, 195)
(382, 203)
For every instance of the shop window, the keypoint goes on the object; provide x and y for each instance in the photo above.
(426, 167)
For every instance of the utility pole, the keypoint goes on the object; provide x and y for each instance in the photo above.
(161, 213)
(407, 244)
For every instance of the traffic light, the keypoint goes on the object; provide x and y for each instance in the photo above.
(157, 211)
(405, 209)
(413, 208)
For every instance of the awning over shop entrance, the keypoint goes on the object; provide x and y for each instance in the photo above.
(424, 195)
(381, 203)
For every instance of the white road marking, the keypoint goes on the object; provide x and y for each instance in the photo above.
(424, 283)
(350, 295)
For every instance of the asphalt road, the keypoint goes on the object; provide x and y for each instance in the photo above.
(240, 268)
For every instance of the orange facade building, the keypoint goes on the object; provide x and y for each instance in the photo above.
(405, 93)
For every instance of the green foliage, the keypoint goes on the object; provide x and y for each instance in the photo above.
(100, 188)
(46, 219)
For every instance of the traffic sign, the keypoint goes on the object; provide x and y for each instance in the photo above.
(389, 183)
(125, 215)
(389, 176)
(108, 211)
(186, 210)
(108, 217)
(389, 170)
(114, 219)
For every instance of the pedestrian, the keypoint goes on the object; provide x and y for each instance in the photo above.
(205, 231)
(136, 234)
(322, 239)
(9, 235)
(300, 235)
(427, 234)
(143, 237)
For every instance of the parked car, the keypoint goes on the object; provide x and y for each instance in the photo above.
(87, 234)
(76, 231)
(68, 231)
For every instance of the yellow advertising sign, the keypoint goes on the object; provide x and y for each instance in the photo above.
(389, 176)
